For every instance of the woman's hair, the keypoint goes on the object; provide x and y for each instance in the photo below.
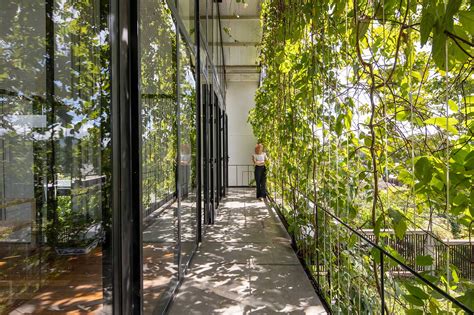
(258, 147)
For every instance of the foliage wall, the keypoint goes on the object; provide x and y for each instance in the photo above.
(158, 103)
(366, 110)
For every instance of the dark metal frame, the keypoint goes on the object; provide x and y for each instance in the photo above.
(126, 187)
(206, 167)
(199, 213)
(226, 153)
(126, 143)
(219, 154)
(211, 141)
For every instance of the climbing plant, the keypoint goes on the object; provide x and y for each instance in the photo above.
(366, 109)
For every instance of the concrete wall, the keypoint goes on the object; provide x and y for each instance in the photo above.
(239, 100)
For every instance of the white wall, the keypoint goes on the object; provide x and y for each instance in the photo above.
(239, 100)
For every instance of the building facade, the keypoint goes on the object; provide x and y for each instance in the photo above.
(113, 150)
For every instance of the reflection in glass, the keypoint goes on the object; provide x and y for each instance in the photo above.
(187, 163)
(203, 13)
(159, 154)
(54, 157)
(186, 12)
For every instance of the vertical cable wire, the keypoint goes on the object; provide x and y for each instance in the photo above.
(327, 244)
(385, 118)
(412, 125)
(385, 149)
(446, 76)
(348, 134)
(336, 161)
(360, 284)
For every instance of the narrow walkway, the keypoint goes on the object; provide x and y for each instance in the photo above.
(246, 265)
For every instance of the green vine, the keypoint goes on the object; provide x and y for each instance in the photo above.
(366, 108)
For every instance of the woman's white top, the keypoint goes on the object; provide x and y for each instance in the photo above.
(260, 158)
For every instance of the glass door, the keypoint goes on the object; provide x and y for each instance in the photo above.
(55, 157)
(159, 84)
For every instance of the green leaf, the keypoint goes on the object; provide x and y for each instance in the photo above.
(428, 20)
(455, 276)
(413, 300)
(459, 199)
(423, 170)
(400, 228)
(339, 124)
(467, 20)
(469, 99)
(453, 106)
(455, 53)
(444, 123)
(424, 260)
(452, 8)
(468, 298)
(469, 161)
(414, 311)
(398, 223)
(363, 27)
(416, 291)
(378, 225)
(438, 50)
(375, 252)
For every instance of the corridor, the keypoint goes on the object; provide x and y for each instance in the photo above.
(245, 264)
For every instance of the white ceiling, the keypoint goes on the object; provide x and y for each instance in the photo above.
(232, 7)
(241, 40)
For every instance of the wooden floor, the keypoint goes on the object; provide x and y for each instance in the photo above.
(246, 265)
(51, 285)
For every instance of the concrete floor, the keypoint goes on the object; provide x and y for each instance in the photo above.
(246, 265)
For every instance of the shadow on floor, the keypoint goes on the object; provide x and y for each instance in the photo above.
(246, 265)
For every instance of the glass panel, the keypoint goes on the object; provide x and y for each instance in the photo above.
(215, 38)
(187, 164)
(186, 12)
(203, 12)
(204, 143)
(159, 136)
(210, 139)
(55, 157)
(209, 29)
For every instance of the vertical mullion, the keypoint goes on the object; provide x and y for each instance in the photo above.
(135, 167)
(126, 184)
(211, 153)
(178, 150)
(198, 121)
(206, 153)
(226, 157)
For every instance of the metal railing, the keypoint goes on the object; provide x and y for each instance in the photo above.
(421, 242)
(241, 175)
(355, 274)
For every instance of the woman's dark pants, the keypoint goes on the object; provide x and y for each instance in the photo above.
(261, 181)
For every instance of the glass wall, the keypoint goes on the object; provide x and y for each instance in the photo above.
(187, 14)
(187, 143)
(159, 152)
(168, 109)
(55, 157)
(62, 90)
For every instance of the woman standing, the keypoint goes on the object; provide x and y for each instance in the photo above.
(259, 159)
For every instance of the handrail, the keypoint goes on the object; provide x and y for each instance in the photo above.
(435, 237)
(384, 252)
(244, 169)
